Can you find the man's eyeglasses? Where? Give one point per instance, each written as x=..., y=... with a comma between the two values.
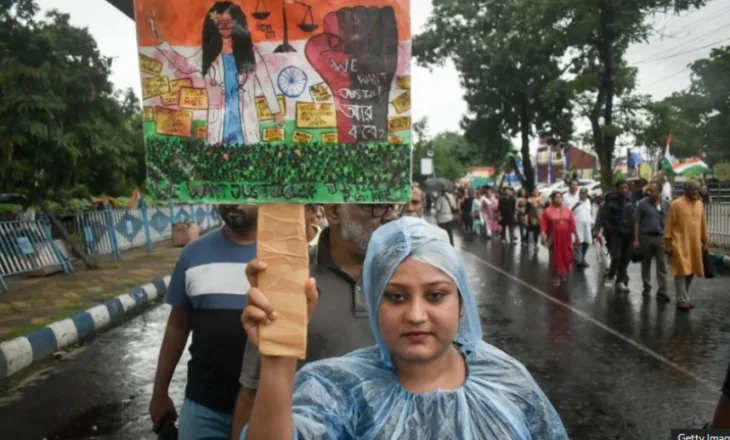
x=379, y=210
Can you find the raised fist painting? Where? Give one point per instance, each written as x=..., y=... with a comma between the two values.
x=357, y=56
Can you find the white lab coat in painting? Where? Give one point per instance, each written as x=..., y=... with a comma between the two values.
x=583, y=214
x=214, y=84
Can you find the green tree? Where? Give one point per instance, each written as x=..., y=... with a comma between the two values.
x=709, y=92
x=698, y=118
x=508, y=58
x=62, y=124
x=597, y=34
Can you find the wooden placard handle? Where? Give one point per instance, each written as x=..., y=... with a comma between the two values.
x=282, y=244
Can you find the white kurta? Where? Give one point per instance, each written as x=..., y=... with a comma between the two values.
x=584, y=221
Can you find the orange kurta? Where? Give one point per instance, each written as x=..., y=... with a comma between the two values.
x=685, y=232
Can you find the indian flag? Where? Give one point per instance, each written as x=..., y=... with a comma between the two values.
x=668, y=161
x=690, y=167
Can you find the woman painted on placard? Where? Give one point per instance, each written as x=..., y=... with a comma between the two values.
x=232, y=69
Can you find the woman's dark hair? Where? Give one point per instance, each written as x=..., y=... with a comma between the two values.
x=240, y=38
x=555, y=193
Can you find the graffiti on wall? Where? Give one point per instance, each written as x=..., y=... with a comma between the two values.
x=285, y=101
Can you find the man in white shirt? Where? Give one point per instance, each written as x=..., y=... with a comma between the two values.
x=572, y=197
x=445, y=210
x=414, y=208
x=666, y=186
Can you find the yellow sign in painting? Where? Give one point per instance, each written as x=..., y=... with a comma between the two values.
x=149, y=66
x=399, y=123
x=397, y=140
x=316, y=115
x=403, y=82
x=171, y=99
x=301, y=137
x=328, y=138
x=155, y=86
x=174, y=122
x=148, y=113
x=262, y=107
x=402, y=103
x=273, y=134
x=193, y=99
x=320, y=92
x=201, y=132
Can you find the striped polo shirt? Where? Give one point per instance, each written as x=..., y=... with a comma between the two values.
x=209, y=280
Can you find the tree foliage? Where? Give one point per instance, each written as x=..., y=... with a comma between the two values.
x=63, y=127
x=452, y=152
x=508, y=61
x=698, y=118
x=598, y=34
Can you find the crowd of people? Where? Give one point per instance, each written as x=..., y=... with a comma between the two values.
x=394, y=342
x=638, y=221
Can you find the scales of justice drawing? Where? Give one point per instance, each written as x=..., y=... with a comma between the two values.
x=307, y=24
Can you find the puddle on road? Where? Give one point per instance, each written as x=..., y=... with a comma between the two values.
x=93, y=423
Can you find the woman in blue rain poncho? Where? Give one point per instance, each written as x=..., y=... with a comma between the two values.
x=430, y=376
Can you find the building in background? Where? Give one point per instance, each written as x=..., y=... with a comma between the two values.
x=569, y=158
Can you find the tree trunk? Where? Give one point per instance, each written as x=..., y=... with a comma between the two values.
x=89, y=262
x=529, y=171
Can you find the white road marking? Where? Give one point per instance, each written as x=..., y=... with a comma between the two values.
x=646, y=350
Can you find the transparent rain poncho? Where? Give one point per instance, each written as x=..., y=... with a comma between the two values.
x=358, y=396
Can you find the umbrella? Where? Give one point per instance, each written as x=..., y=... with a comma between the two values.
x=438, y=184
x=12, y=198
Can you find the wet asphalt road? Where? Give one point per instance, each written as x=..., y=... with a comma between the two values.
x=614, y=365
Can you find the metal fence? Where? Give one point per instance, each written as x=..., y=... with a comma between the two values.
x=28, y=246
x=718, y=223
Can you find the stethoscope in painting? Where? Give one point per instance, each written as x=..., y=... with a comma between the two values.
x=215, y=83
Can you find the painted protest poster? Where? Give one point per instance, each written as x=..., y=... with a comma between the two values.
x=291, y=101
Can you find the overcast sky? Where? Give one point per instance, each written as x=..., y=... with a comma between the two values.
x=437, y=95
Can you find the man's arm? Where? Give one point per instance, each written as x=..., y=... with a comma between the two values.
x=173, y=343
x=250, y=373
x=637, y=219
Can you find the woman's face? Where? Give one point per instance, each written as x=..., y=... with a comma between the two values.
x=225, y=24
x=557, y=200
x=535, y=193
x=419, y=313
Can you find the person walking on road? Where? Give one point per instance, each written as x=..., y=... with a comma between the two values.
x=649, y=221
x=430, y=375
x=414, y=208
x=558, y=227
x=340, y=322
x=445, y=209
x=685, y=238
x=572, y=197
x=535, y=208
x=467, y=220
x=207, y=295
x=618, y=226
x=583, y=213
x=507, y=214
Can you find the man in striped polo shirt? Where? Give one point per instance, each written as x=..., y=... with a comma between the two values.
x=207, y=293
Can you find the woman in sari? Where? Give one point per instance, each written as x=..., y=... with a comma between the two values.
x=430, y=376
x=558, y=227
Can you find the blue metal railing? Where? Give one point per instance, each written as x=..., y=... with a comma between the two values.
x=28, y=246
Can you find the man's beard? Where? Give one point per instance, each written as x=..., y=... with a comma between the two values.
x=239, y=222
x=355, y=232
